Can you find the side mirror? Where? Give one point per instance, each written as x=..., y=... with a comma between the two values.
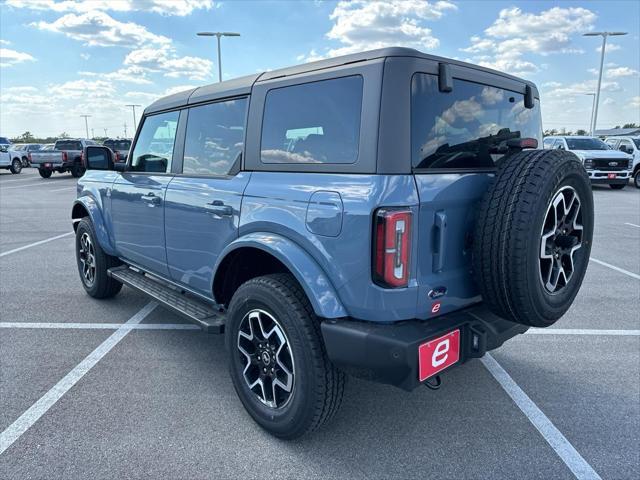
x=120, y=167
x=98, y=158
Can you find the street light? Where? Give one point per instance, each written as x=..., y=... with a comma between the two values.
x=593, y=106
x=86, y=124
x=133, y=106
x=218, y=35
x=604, y=36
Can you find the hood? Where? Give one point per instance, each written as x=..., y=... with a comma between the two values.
x=601, y=154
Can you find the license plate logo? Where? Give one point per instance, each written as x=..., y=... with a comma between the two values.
x=438, y=354
x=612, y=175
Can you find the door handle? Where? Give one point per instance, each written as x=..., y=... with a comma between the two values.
x=439, y=241
x=151, y=199
x=219, y=208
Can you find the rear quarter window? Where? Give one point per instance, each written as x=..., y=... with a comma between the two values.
x=314, y=123
x=463, y=128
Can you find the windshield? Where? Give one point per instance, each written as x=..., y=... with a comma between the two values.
x=586, y=144
x=470, y=126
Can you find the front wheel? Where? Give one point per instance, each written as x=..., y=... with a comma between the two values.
x=44, y=173
x=617, y=187
x=16, y=166
x=278, y=362
x=93, y=263
x=636, y=178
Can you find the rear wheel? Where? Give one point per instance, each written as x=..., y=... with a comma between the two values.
x=93, y=263
x=77, y=170
x=44, y=173
x=533, y=236
x=16, y=166
x=636, y=178
x=617, y=187
x=278, y=362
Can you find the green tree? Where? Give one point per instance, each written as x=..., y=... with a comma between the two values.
x=64, y=135
x=630, y=125
x=581, y=132
x=26, y=137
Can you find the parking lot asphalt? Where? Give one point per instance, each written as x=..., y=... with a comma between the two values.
x=158, y=403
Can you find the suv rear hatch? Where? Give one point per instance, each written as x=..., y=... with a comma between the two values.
x=457, y=139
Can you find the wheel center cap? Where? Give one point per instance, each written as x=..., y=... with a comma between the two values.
x=266, y=358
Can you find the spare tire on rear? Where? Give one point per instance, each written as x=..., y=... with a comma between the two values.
x=533, y=236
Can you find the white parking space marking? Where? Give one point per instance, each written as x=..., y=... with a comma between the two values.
x=632, y=224
x=49, y=399
x=61, y=189
x=35, y=244
x=582, y=331
x=99, y=326
x=617, y=269
x=567, y=453
x=27, y=185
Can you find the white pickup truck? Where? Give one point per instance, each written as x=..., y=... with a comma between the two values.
x=631, y=146
x=10, y=160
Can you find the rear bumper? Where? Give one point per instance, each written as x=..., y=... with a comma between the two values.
x=388, y=353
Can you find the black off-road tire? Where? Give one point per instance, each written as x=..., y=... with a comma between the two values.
x=77, y=170
x=44, y=173
x=103, y=286
x=507, y=241
x=636, y=178
x=617, y=187
x=318, y=385
x=16, y=166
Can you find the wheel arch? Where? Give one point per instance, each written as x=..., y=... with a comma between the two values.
x=87, y=207
x=262, y=253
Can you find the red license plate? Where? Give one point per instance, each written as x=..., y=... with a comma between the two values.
x=612, y=175
x=438, y=354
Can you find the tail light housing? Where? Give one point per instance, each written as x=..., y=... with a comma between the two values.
x=117, y=155
x=29, y=157
x=64, y=156
x=391, y=247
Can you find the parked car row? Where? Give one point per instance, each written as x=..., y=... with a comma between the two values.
x=604, y=164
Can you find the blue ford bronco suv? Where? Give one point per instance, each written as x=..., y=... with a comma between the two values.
x=383, y=214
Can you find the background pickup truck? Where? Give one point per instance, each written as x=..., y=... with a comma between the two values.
x=120, y=147
x=66, y=156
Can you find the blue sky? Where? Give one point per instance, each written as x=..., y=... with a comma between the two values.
x=63, y=58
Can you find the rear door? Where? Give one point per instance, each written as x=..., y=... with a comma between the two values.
x=202, y=208
x=455, y=137
x=138, y=195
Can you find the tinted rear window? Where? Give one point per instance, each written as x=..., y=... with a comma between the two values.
x=463, y=128
x=315, y=122
x=118, y=144
x=68, y=145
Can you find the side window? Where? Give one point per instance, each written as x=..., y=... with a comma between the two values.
x=547, y=142
x=559, y=145
x=214, y=139
x=611, y=142
x=628, y=148
x=316, y=122
x=154, y=149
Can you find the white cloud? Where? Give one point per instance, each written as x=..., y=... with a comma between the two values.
x=165, y=61
x=4, y=42
x=96, y=28
x=85, y=56
x=611, y=47
x=608, y=101
x=362, y=25
x=9, y=57
x=635, y=102
x=515, y=34
x=131, y=74
x=621, y=72
x=83, y=89
x=163, y=7
x=558, y=93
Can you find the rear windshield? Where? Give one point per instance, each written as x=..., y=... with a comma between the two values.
x=118, y=144
x=68, y=145
x=464, y=128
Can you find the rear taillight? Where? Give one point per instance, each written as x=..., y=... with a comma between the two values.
x=64, y=156
x=117, y=156
x=29, y=157
x=391, y=247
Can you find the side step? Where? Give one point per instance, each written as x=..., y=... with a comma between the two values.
x=202, y=314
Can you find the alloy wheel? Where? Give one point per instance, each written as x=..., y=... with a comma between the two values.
x=560, y=239
x=87, y=259
x=268, y=361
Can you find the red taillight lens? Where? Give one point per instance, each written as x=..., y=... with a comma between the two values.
x=29, y=157
x=392, y=247
x=117, y=156
x=64, y=156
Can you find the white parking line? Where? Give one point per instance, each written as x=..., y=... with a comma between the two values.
x=19, y=249
x=65, y=188
x=617, y=269
x=632, y=224
x=27, y=185
x=100, y=326
x=581, y=331
x=567, y=453
x=49, y=399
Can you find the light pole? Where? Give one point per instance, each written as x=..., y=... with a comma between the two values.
x=593, y=107
x=105, y=132
x=604, y=36
x=218, y=35
x=86, y=125
x=133, y=106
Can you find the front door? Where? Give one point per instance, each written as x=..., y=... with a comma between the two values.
x=138, y=195
x=202, y=208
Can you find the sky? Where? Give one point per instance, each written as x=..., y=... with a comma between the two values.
x=60, y=59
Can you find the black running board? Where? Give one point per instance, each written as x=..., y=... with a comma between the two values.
x=206, y=316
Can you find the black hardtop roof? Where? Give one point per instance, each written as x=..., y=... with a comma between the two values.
x=242, y=85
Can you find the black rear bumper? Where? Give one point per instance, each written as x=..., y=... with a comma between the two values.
x=388, y=353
